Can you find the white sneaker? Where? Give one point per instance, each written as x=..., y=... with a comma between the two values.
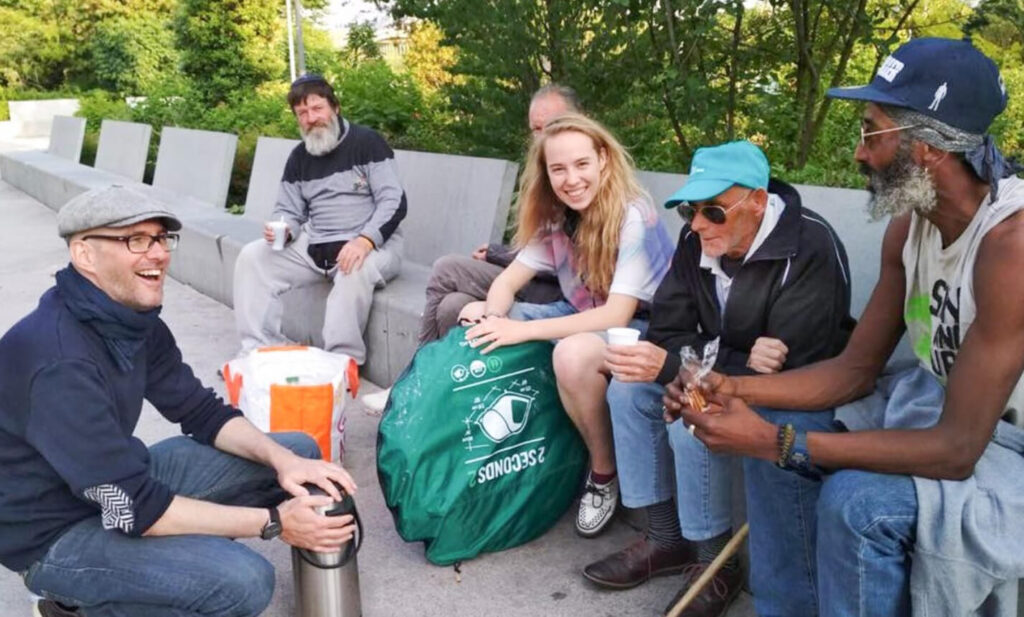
x=597, y=507
x=376, y=401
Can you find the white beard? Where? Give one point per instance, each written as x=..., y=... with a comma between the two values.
x=320, y=140
x=901, y=188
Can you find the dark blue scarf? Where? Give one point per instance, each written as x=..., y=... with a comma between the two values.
x=990, y=165
x=122, y=329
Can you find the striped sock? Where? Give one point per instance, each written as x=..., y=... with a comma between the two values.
x=663, y=524
x=707, y=550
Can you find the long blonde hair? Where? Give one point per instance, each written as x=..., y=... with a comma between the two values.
x=596, y=241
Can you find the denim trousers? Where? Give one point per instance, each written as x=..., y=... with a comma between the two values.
x=867, y=525
x=529, y=311
x=657, y=461
x=110, y=574
x=784, y=532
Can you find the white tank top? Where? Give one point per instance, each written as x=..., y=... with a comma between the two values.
x=939, y=307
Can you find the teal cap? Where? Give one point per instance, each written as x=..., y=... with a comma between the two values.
x=715, y=169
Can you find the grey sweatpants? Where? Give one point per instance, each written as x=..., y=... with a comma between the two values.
x=262, y=275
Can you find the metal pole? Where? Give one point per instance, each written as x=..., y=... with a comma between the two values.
x=291, y=38
x=301, y=48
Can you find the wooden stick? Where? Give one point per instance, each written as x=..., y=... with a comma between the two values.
x=697, y=586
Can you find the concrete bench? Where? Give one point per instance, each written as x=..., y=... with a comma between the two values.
x=123, y=148
x=35, y=118
x=196, y=163
x=66, y=138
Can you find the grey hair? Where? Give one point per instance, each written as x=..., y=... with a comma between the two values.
x=567, y=94
x=933, y=132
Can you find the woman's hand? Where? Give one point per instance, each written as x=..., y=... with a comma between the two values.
x=496, y=332
x=635, y=363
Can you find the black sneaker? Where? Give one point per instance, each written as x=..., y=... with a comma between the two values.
x=51, y=608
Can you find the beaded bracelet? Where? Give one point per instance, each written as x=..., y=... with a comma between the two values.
x=785, y=439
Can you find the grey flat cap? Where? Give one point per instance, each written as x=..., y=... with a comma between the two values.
x=113, y=206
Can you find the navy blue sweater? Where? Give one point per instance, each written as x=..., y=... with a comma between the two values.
x=67, y=414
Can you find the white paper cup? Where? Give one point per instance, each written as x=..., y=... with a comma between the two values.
x=623, y=336
x=280, y=229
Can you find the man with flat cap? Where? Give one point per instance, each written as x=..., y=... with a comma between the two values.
x=89, y=515
x=921, y=499
x=342, y=202
x=768, y=278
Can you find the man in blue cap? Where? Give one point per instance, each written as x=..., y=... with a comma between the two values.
x=921, y=502
x=769, y=280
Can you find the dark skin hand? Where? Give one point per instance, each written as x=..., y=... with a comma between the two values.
x=988, y=366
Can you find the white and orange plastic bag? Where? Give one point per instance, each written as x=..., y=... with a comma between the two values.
x=295, y=388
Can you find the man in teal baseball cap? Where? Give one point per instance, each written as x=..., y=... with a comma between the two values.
x=725, y=197
x=750, y=264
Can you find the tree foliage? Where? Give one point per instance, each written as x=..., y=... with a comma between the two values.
x=130, y=55
x=362, y=43
x=229, y=46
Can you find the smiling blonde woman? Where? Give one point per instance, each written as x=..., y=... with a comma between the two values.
x=583, y=217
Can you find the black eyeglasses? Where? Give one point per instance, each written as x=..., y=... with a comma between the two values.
x=141, y=243
x=714, y=213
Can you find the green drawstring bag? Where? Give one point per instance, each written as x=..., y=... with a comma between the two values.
x=474, y=452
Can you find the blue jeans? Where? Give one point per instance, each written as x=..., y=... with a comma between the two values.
x=657, y=461
x=528, y=311
x=781, y=509
x=867, y=525
x=110, y=574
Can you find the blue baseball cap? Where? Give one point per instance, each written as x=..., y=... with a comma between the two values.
x=715, y=169
x=945, y=79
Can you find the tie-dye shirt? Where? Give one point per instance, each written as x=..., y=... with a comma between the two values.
x=645, y=252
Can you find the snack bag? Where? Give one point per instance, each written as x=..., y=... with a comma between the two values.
x=698, y=367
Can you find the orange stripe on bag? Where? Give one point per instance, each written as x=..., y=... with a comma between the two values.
x=352, y=373
x=282, y=348
x=303, y=408
x=233, y=384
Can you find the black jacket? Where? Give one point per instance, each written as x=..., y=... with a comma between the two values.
x=795, y=287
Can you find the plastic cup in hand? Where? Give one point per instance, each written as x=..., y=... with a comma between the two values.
x=280, y=229
x=623, y=336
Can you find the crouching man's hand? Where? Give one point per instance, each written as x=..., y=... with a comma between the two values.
x=302, y=527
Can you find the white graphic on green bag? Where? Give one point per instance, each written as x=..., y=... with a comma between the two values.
x=506, y=416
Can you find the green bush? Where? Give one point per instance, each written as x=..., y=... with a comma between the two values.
x=130, y=54
x=371, y=93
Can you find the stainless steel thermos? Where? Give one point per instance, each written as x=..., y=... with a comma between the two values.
x=327, y=584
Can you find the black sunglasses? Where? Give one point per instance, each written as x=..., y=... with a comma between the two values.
x=714, y=213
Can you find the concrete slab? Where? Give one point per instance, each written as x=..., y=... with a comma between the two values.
x=265, y=178
x=123, y=148
x=34, y=118
x=196, y=163
x=66, y=138
x=541, y=578
x=455, y=202
x=51, y=179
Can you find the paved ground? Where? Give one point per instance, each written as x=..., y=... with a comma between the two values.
x=541, y=578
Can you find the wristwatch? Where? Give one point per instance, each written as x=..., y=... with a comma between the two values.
x=273, y=527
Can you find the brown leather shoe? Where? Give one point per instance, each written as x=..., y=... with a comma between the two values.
x=49, y=608
x=637, y=563
x=717, y=595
